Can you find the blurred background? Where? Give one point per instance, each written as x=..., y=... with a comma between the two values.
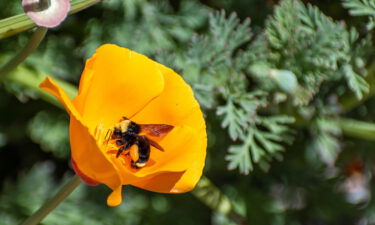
x=285, y=86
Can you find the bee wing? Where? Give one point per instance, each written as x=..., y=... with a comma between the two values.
x=156, y=130
x=156, y=145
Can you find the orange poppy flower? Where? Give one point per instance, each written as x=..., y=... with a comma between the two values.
x=118, y=83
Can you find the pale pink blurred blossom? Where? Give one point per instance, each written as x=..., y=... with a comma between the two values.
x=46, y=13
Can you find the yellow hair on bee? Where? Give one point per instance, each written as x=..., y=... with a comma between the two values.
x=123, y=125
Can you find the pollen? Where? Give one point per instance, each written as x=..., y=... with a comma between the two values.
x=103, y=138
x=99, y=134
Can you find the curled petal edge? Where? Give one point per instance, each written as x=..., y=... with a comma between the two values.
x=51, y=87
x=87, y=180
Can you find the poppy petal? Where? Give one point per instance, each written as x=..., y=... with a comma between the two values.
x=171, y=182
x=89, y=158
x=192, y=175
x=117, y=82
x=163, y=182
x=115, y=198
x=84, y=178
x=51, y=87
x=85, y=152
x=175, y=106
x=185, y=146
x=180, y=146
x=174, y=182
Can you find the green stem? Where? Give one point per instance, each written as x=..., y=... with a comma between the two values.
x=81, y=5
x=212, y=197
x=357, y=129
x=53, y=202
x=29, y=48
x=19, y=23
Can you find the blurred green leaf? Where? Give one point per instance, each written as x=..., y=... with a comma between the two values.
x=146, y=27
x=360, y=7
x=325, y=141
x=51, y=131
x=356, y=82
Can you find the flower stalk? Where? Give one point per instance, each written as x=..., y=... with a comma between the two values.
x=29, y=48
x=212, y=197
x=357, y=129
x=51, y=204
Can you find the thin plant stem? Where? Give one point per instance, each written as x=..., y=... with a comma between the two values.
x=29, y=48
x=357, y=129
x=212, y=197
x=53, y=202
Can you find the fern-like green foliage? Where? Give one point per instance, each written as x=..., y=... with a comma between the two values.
x=210, y=64
x=310, y=45
x=304, y=53
x=362, y=8
x=145, y=26
x=217, y=71
x=286, y=66
x=261, y=145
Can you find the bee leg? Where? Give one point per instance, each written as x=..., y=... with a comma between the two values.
x=120, y=150
x=112, y=152
x=120, y=142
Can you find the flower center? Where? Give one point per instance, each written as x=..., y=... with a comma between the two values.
x=124, y=141
x=132, y=142
x=125, y=135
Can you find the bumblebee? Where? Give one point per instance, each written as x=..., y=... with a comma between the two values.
x=132, y=139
